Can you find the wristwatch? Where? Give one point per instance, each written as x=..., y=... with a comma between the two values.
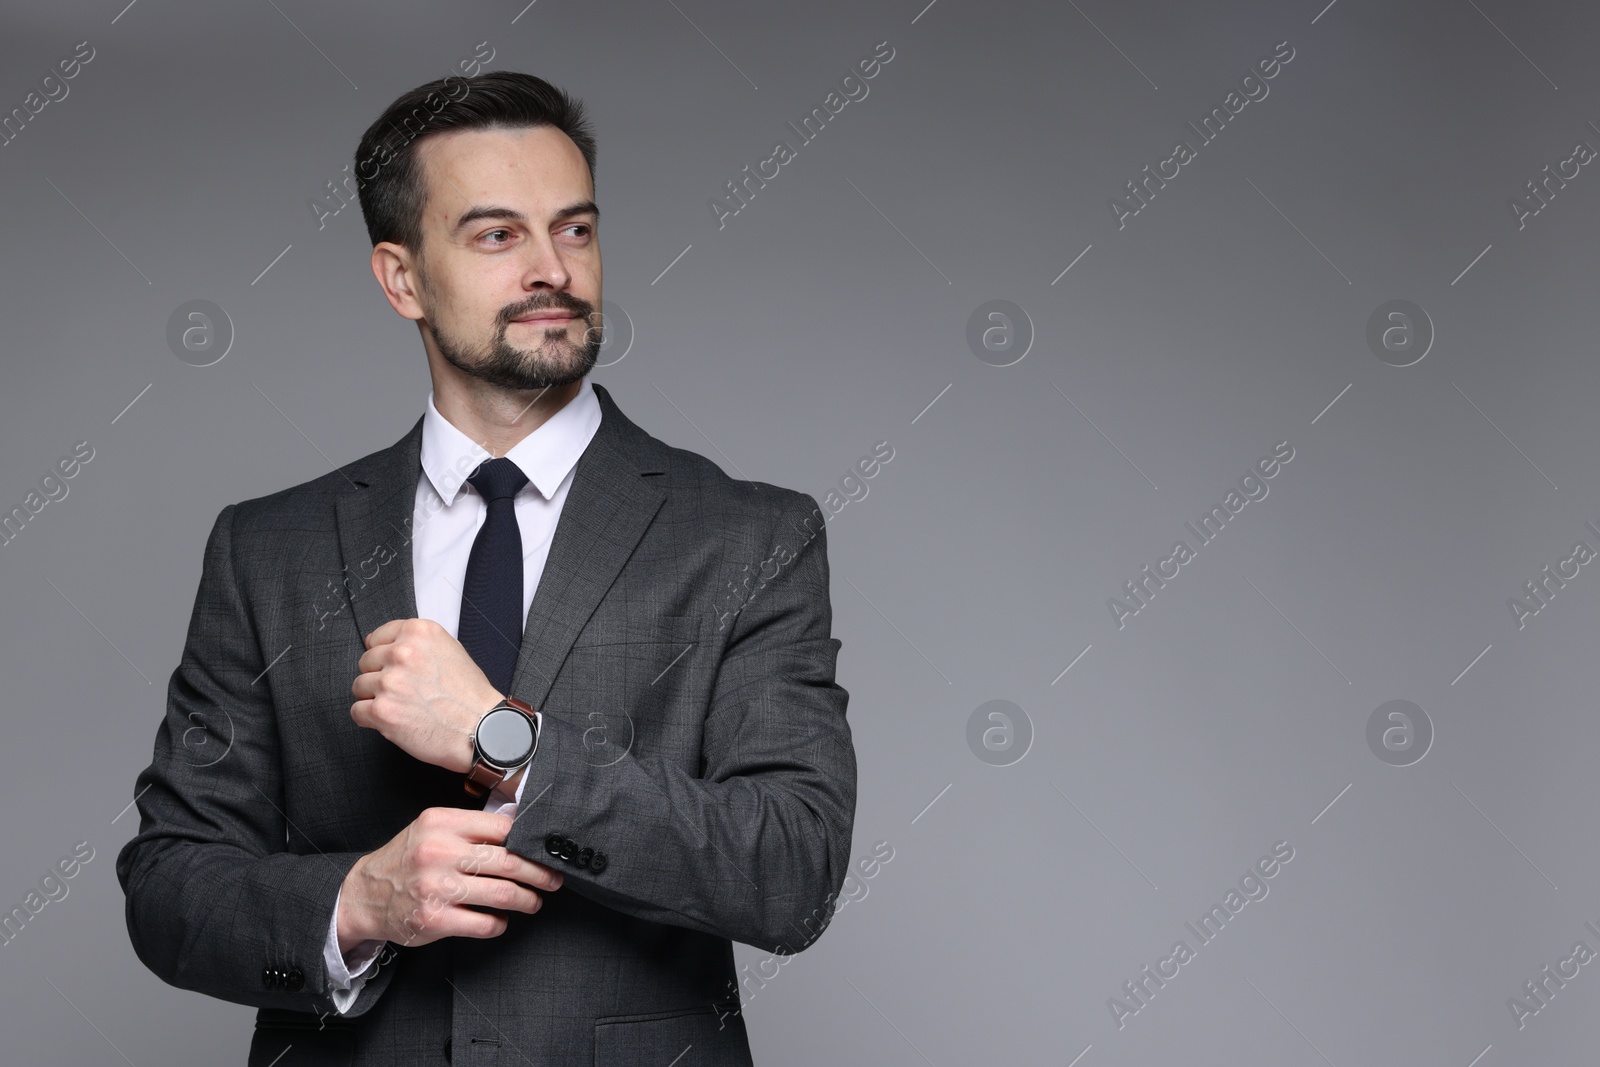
x=505, y=739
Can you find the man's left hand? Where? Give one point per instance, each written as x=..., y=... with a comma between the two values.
x=420, y=688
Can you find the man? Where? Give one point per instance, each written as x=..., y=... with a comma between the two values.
x=484, y=753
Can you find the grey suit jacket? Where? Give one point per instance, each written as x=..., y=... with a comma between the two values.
x=695, y=779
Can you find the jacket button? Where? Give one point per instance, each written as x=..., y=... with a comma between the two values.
x=268, y=978
x=569, y=849
x=552, y=844
x=598, y=863
x=585, y=855
x=294, y=981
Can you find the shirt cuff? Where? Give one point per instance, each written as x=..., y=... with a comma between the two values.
x=500, y=802
x=347, y=974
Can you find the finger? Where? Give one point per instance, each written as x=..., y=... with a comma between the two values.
x=364, y=686
x=376, y=657
x=457, y=921
x=500, y=894
x=466, y=824
x=465, y=922
x=501, y=862
x=537, y=874
x=385, y=633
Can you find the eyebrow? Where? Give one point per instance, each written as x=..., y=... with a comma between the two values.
x=586, y=207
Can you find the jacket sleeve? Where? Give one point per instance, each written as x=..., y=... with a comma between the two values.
x=216, y=901
x=756, y=847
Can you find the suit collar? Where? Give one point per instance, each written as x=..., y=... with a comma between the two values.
x=546, y=456
x=608, y=508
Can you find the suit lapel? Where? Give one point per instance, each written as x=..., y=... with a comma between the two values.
x=379, y=517
x=375, y=532
x=608, y=507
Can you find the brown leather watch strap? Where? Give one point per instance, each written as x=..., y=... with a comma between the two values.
x=481, y=779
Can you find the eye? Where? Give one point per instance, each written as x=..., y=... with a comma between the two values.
x=502, y=231
x=579, y=226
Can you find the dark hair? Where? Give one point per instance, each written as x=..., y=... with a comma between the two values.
x=388, y=178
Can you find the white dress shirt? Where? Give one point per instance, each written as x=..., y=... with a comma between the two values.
x=445, y=521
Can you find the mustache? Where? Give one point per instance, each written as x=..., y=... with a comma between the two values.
x=562, y=301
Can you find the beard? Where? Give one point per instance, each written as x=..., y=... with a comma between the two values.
x=558, y=360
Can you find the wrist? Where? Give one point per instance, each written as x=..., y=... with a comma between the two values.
x=351, y=924
x=463, y=752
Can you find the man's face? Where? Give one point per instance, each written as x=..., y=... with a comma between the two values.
x=508, y=276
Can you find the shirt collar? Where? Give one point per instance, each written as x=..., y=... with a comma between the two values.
x=546, y=456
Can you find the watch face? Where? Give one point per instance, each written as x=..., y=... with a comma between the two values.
x=505, y=737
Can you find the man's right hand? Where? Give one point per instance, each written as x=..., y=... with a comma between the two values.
x=415, y=889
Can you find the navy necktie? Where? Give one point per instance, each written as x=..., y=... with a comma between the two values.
x=491, y=596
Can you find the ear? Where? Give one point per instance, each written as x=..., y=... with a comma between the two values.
x=397, y=272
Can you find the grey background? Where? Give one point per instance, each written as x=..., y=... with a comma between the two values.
x=827, y=316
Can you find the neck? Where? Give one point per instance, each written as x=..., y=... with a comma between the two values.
x=494, y=417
